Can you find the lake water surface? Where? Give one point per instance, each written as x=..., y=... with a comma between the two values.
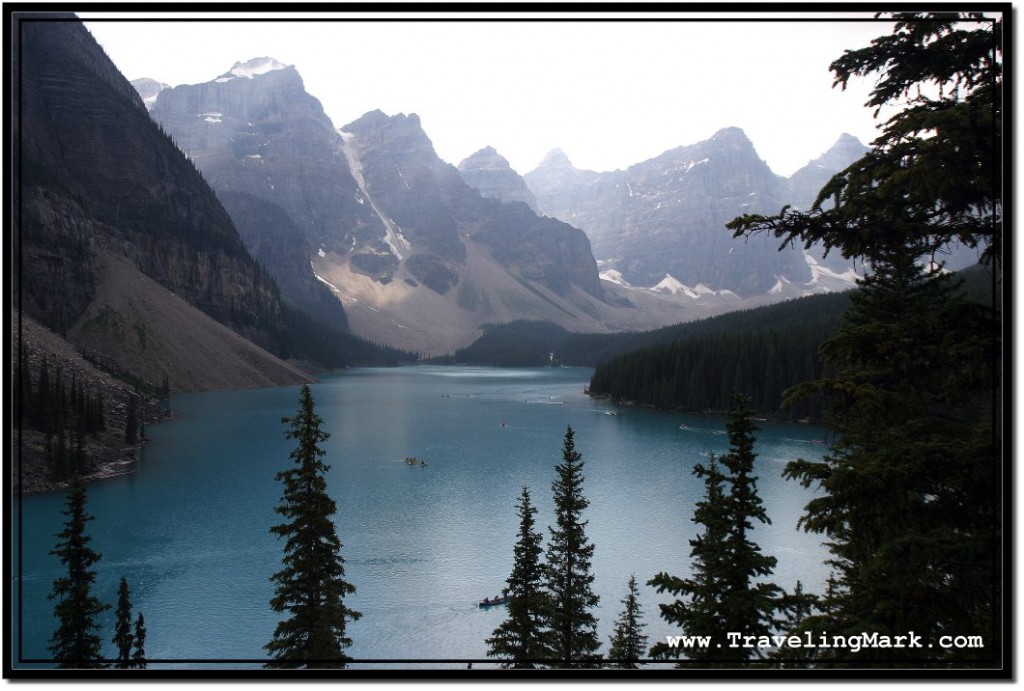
x=190, y=529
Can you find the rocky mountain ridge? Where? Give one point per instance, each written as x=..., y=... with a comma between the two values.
x=666, y=216
x=419, y=258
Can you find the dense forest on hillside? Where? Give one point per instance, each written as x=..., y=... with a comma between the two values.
x=695, y=365
x=761, y=353
x=536, y=344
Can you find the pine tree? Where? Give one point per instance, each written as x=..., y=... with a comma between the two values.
x=726, y=592
x=311, y=586
x=139, y=651
x=696, y=610
x=571, y=627
x=123, y=638
x=75, y=644
x=628, y=643
x=749, y=602
x=520, y=640
x=910, y=494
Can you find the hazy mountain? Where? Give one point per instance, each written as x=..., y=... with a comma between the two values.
x=661, y=223
x=122, y=247
x=489, y=172
x=419, y=258
x=149, y=89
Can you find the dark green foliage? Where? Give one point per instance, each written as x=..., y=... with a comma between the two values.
x=303, y=337
x=934, y=176
x=696, y=610
x=571, y=627
x=311, y=586
x=628, y=643
x=139, y=649
x=796, y=608
x=910, y=494
x=123, y=637
x=75, y=643
x=530, y=343
x=727, y=591
x=520, y=640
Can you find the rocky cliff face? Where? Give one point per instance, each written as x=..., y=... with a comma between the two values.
x=100, y=181
x=371, y=202
x=489, y=172
x=666, y=217
x=432, y=209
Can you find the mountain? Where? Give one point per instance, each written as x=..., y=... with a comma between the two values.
x=804, y=184
x=148, y=89
x=665, y=218
x=489, y=172
x=122, y=248
x=418, y=257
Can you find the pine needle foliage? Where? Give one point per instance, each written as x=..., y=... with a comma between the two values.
x=311, y=586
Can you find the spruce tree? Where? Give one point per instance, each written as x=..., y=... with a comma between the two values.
x=571, y=626
x=727, y=591
x=520, y=640
x=139, y=649
x=749, y=602
x=123, y=638
x=696, y=611
x=311, y=587
x=75, y=643
x=910, y=494
x=628, y=643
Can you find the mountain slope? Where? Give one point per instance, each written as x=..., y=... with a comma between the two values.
x=418, y=258
x=102, y=186
x=666, y=217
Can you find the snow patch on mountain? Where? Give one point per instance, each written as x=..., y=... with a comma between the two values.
x=613, y=276
x=818, y=272
x=251, y=68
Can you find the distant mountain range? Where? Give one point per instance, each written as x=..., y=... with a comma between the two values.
x=664, y=219
x=422, y=254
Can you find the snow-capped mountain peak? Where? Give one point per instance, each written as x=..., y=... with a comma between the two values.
x=251, y=68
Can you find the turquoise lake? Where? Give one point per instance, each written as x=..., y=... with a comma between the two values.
x=190, y=529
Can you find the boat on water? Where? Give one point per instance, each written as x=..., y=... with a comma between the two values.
x=412, y=460
x=493, y=601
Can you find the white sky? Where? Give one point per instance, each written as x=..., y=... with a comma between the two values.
x=609, y=93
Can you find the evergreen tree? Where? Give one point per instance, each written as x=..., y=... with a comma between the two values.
x=696, y=611
x=726, y=592
x=75, y=643
x=520, y=640
x=311, y=587
x=138, y=652
x=123, y=638
x=628, y=643
x=748, y=602
x=571, y=627
x=910, y=494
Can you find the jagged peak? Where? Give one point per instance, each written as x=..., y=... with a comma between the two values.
x=731, y=135
x=252, y=68
x=556, y=158
x=487, y=157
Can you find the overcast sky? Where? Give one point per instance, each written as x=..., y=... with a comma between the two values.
x=608, y=93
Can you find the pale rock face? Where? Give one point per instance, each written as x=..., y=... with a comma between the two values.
x=490, y=173
x=667, y=215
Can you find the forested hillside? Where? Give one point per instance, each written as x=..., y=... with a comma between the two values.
x=760, y=353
